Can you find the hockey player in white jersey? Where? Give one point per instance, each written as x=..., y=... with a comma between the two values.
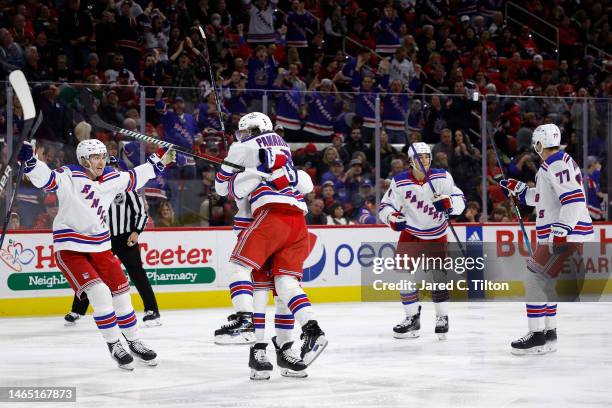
x=291, y=365
x=562, y=225
x=81, y=237
x=278, y=230
x=410, y=207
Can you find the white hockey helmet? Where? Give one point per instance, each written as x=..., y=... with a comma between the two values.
x=88, y=147
x=547, y=135
x=253, y=123
x=420, y=147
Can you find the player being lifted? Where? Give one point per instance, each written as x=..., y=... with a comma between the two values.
x=410, y=207
x=562, y=224
x=278, y=230
x=81, y=237
x=261, y=283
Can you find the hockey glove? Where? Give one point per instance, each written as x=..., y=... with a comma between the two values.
x=443, y=203
x=272, y=159
x=397, y=221
x=26, y=156
x=558, y=238
x=161, y=159
x=279, y=178
x=515, y=188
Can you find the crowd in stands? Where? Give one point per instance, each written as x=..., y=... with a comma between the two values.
x=321, y=69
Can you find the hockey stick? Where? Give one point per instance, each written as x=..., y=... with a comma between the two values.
x=517, y=212
x=7, y=218
x=96, y=120
x=22, y=90
x=433, y=189
x=214, y=87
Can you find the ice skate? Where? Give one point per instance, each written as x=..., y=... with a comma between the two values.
x=290, y=364
x=238, y=330
x=151, y=318
x=258, y=362
x=551, y=339
x=409, y=327
x=441, y=327
x=142, y=352
x=531, y=343
x=314, y=342
x=71, y=319
x=121, y=356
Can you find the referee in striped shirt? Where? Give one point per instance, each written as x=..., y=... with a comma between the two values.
x=127, y=217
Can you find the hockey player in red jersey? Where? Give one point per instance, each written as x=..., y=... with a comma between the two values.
x=81, y=237
x=278, y=229
x=563, y=223
x=411, y=207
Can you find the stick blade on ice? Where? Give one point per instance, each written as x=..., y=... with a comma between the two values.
x=22, y=89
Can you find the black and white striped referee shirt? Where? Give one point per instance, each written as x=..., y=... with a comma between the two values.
x=127, y=214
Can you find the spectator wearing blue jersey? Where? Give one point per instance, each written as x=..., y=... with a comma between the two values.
x=235, y=93
x=366, y=91
x=366, y=214
x=323, y=106
x=593, y=184
x=298, y=21
x=289, y=106
x=394, y=112
x=181, y=128
x=262, y=73
x=387, y=32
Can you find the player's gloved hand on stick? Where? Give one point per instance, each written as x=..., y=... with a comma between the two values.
x=558, y=238
x=515, y=188
x=272, y=159
x=397, y=221
x=162, y=159
x=26, y=157
x=443, y=203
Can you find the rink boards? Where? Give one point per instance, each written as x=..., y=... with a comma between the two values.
x=186, y=266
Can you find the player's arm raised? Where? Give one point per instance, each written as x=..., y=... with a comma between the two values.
x=39, y=173
x=389, y=209
x=137, y=177
x=568, y=188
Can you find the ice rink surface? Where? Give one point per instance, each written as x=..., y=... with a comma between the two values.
x=363, y=365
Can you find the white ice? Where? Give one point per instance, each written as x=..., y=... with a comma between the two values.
x=362, y=367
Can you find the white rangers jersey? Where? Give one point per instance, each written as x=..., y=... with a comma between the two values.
x=414, y=199
x=261, y=23
x=81, y=223
x=244, y=216
x=259, y=192
x=559, y=199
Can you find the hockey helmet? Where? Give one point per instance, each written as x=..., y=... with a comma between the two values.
x=420, y=147
x=252, y=124
x=547, y=135
x=88, y=147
